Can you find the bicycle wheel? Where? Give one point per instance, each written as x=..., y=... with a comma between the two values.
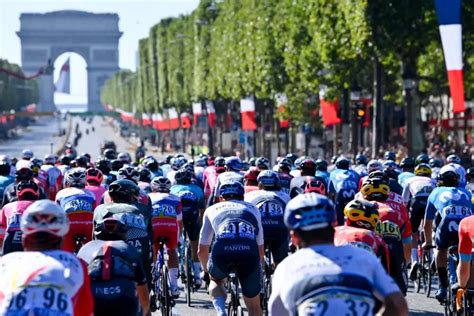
x=165, y=293
x=189, y=274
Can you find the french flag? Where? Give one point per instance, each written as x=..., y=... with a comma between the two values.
x=449, y=18
x=197, y=111
x=328, y=109
x=146, y=119
x=173, y=120
x=211, y=114
x=157, y=121
x=247, y=112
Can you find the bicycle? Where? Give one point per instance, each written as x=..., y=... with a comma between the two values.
x=234, y=308
x=425, y=272
x=267, y=281
x=464, y=302
x=186, y=268
x=161, y=281
x=450, y=308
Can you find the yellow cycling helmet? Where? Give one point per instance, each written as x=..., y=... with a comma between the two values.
x=423, y=170
x=361, y=214
x=375, y=189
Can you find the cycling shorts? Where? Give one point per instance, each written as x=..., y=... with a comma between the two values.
x=446, y=236
x=247, y=267
x=278, y=247
x=417, y=212
x=191, y=225
x=77, y=229
x=397, y=263
x=123, y=306
x=168, y=232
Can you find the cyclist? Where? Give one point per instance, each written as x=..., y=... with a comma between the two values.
x=44, y=280
x=408, y=170
x=116, y=271
x=283, y=168
x=415, y=195
x=342, y=186
x=64, y=163
x=322, y=277
x=453, y=162
x=94, y=179
x=435, y=165
x=422, y=158
x=250, y=179
x=105, y=166
x=124, y=194
x=26, y=156
x=361, y=219
x=361, y=165
x=238, y=246
x=271, y=203
x=5, y=178
x=232, y=165
x=307, y=168
x=395, y=228
x=176, y=164
x=167, y=221
x=130, y=173
x=314, y=184
x=390, y=156
x=466, y=230
x=24, y=174
x=152, y=164
x=373, y=165
x=322, y=170
x=192, y=201
x=144, y=179
x=125, y=158
x=470, y=179
x=391, y=170
x=210, y=176
x=79, y=204
x=54, y=177
x=447, y=205
x=262, y=163
x=10, y=216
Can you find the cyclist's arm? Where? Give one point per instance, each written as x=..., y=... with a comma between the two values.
x=465, y=254
x=84, y=301
x=205, y=240
x=143, y=296
x=430, y=213
x=395, y=304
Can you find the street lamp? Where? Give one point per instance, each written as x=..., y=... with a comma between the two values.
x=409, y=83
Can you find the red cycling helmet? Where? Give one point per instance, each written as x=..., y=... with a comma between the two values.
x=27, y=190
x=314, y=185
x=94, y=176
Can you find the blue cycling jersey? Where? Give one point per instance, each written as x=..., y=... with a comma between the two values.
x=341, y=179
x=449, y=202
x=191, y=195
x=324, y=175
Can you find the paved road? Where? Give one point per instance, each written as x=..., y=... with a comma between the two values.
x=37, y=137
x=41, y=135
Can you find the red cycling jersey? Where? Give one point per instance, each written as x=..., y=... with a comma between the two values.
x=466, y=235
x=394, y=224
x=363, y=238
x=79, y=205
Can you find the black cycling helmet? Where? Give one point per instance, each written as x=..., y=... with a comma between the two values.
x=390, y=155
x=116, y=164
x=321, y=165
x=435, y=163
x=151, y=164
x=82, y=161
x=4, y=168
x=361, y=159
x=343, y=163
x=307, y=165
x=110, y=154
x=284, y=165
x=24, y=174
x=145, y=174
x=183, y=176
x=470, y=174
x=65, y=160
x=168, y=159
x=292, y=157
x=407, y=163
x=422, y=158
x=124, y=191
x=129, y=173
x=111, y=229
x=262, y=163
x=103, y=164
x=219, y=164
x=448, y=178
x=379, y=174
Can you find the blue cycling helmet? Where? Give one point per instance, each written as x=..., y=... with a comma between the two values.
x=435, y=163
x=361, y=159
x=343, y=163
x=233, y=163
x=268, y=178
x=231, y=189
x=309, y=211
x=390, y=155
x=453, y=159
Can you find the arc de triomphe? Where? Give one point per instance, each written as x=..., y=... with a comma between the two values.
x=93, y=36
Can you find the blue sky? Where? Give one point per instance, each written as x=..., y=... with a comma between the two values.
x=136, y=18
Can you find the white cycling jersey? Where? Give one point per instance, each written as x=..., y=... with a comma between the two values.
x=231, y=220
x=417, y=186
x=40, y=283
x=329, y=280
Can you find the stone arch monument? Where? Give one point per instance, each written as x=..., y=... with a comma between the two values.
x=93, y=36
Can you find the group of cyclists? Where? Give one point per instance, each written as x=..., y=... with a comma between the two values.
x=84, y=237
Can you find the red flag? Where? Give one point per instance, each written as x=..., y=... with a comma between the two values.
x=185, y=120
x=197, y=111
x=329, y=112
x=247, y=111
x=283, y=123
x=211, y=114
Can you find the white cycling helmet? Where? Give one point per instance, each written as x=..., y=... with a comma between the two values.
x=44, y=216
x=374, y=165
x=27, y=154
x=76, y=178
x=49, y=159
